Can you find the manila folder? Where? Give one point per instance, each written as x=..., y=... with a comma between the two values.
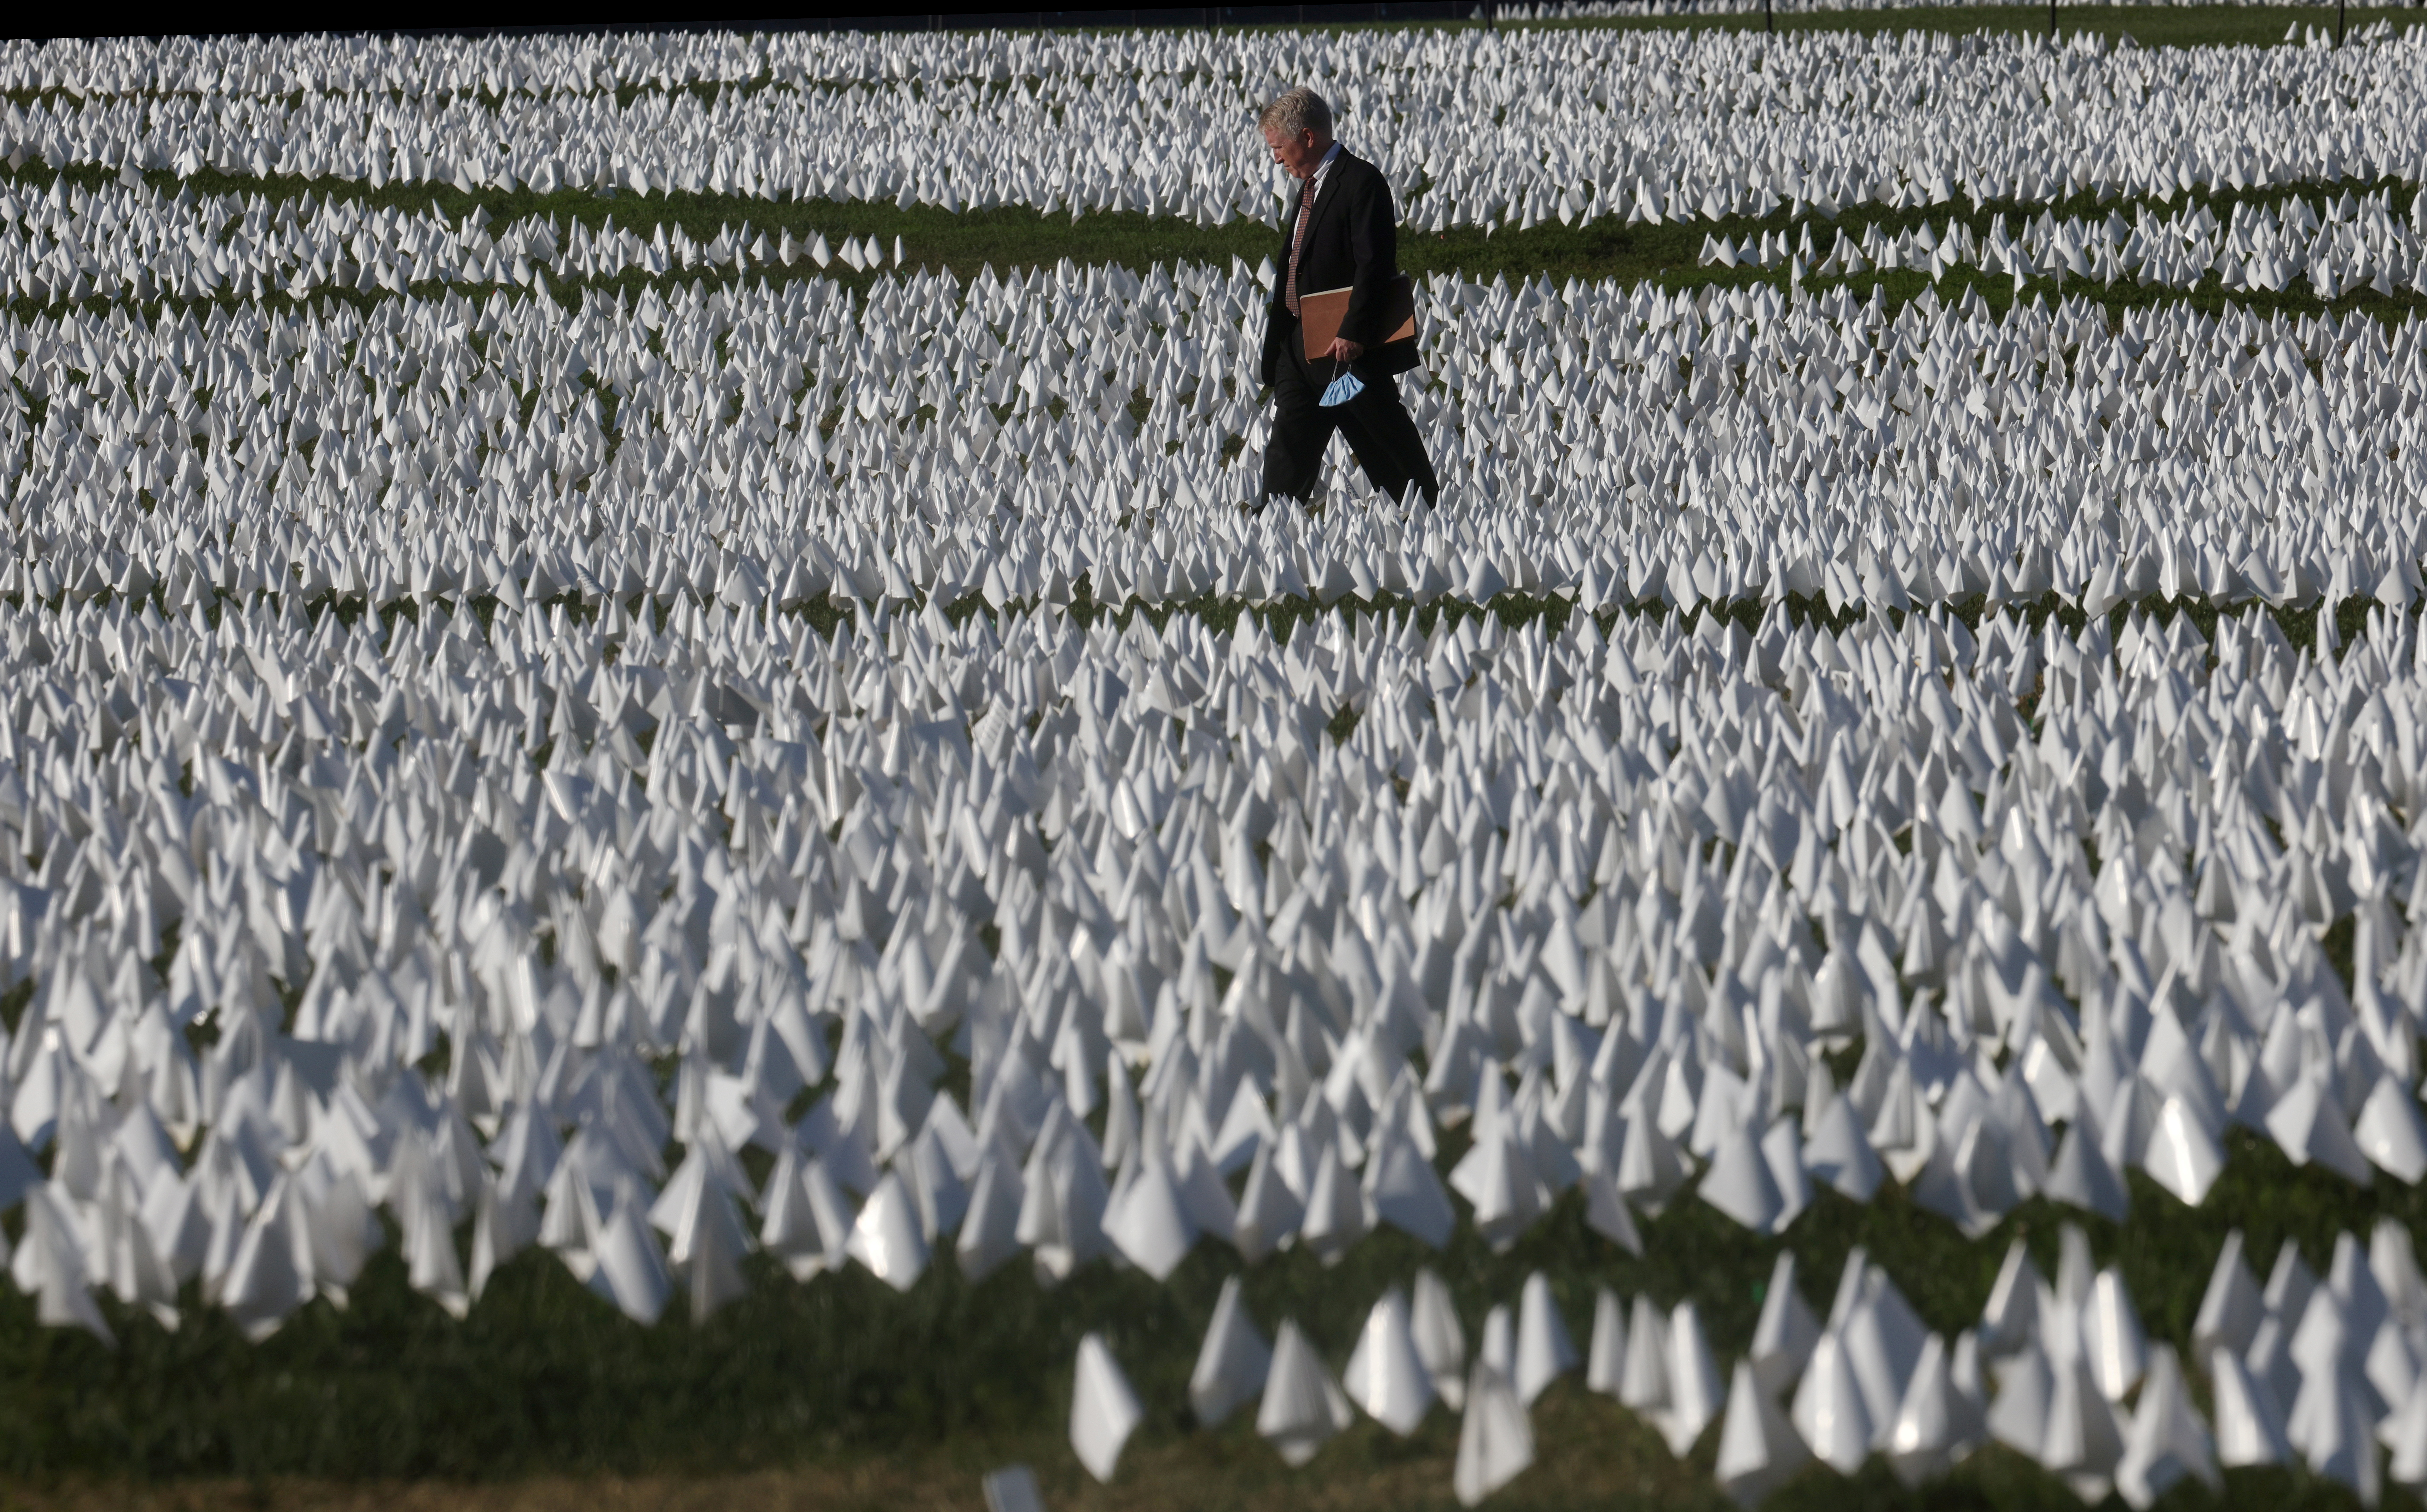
x=1319, y=315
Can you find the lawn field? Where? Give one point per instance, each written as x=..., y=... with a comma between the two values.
x=544, y=1396
x=604, y=743
x=2190, y=25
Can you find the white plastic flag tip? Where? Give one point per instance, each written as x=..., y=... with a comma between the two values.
x=1544, y=1352
x=2231, y=1308
x=1233, y=1364
x=1303, y=1406
x=2404, y=1434
x=1758, y=1448
x=1694, y=1393
x=1385, y=1376
x=49, y=1263
x=2249, y=1424
x=887, y=1238
x=1784, y=1337
x=1441, y=1343
x=1149, y=1223
x=1739, y=1182
x=1830, y=1412
x=1935, y=1422
x=631, y=1272
x=2167, y=1440
x=1605, y=1365
x=1103, y=1410
x=1495, y=1439
x=2113, y=1341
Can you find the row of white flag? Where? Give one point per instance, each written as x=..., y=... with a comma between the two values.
x=2323, y=1374
x=1649, y=125
x=1713, y=446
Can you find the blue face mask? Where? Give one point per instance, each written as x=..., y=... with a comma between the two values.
x=1343, y=388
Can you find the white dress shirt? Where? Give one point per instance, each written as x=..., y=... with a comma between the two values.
x=1323, y=168
x=1306, y=208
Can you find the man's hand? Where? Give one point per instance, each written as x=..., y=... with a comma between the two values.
x=1343, y=349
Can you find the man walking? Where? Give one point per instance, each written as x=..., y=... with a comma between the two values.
x=1344, y=234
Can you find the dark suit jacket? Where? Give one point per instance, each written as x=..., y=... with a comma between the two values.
x=1352, y=241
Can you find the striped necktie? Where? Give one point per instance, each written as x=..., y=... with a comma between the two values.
x=1305, y=205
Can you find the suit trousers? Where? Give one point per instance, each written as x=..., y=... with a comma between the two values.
x=1378, y=425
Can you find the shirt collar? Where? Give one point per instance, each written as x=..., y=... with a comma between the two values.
x=1325, y=166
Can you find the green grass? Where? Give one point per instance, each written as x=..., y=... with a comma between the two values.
x=1668, y=254
x=842, y=1375
x=2157, y=25
x=1007, y=238
x=2154, y=26
x=542, y=1377
x=843, y=1378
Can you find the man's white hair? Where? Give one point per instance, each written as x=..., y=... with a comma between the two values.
x=1297, y=112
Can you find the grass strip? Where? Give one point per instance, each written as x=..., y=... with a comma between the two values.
x=542, y=1377
x=1017, y=238
x=2152, y=26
